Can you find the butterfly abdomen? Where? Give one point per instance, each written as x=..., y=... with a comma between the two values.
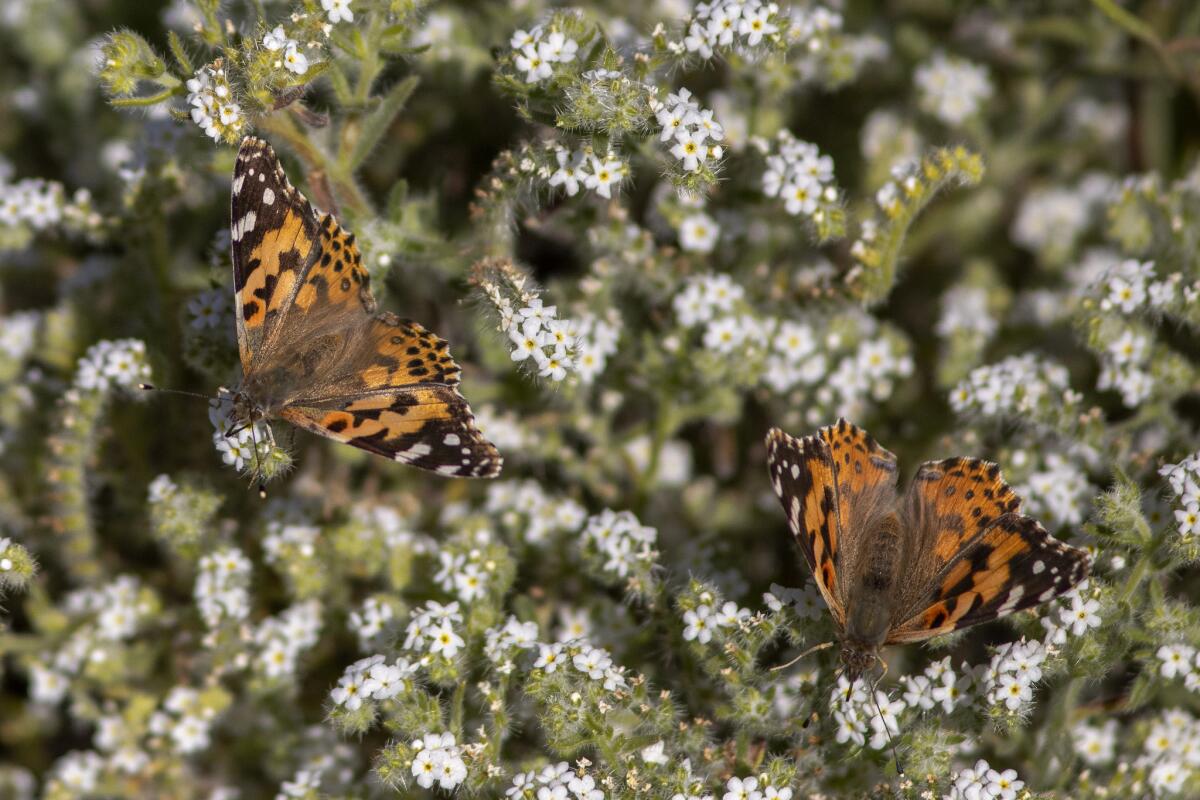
x=869, y=611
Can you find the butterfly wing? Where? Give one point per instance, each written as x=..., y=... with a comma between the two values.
x=1013, y=564
x=275, y=238
x=428, y=426
x=802, y=474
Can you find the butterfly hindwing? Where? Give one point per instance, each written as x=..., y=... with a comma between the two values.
x=802, y=474
x=428, y=426
x=1012, y=565
x=274, y=238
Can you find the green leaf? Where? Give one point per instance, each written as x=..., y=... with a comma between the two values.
x=376, y=123
x=181, y=57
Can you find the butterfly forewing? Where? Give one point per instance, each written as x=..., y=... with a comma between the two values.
x=274, y=238
x=802, y=474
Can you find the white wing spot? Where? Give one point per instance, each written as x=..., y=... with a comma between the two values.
x=262, y=177
x=243, y=226
x=451, y=439
x=237, y=183
x=1011, y=601
x=448, y=469
x=795, y=471
x=268, y=196
x=416, y=451
x=1039, y=567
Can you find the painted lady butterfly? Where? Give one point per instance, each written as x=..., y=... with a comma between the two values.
x=317, y=353
x=953, y=552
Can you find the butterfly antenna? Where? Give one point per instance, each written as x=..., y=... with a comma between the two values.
x=262, y=488
x=149, y=387
x=821, y=646
x=886, y=732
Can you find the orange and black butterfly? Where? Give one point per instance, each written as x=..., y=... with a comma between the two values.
x=951, y=552
x=316, y=352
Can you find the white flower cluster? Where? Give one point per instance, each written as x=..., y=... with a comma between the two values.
x=576, y=167
x=981, y=782
x=1015, y=386
x=504, y=428
x=595, y=663
x=113, y=364
x=185, y=719
x=282, y=638
x=222, y=586
x=952, y=89
x=118, y=741
x=624, y=542
x=120, y=607
x=595, y=341
x=1171, y=752
x=857, y=714
x=738, y=25
x=1058, y=494
x=438, y=760
x=793, y=358
x=1076, y=615
x=464, y=573
x=372, y=678
x=292, y=59
x=503, y=643
x=234, y=441
x=78, y=771
x=431, y=630
x=702, y=622
x=692, y=133
x=1010, y=676
x=370, y=620
x=8, y=550
x=869, y=372
x=213, y=106
x=555, y=782
x=536, y=51
x=536, y=333
x=1051, y=219
x=1184, y=480
x=1130, y=285
x=706, y=296
x=1179, y=661
x=286, y=543
x=41, y=205
x=525, y=509
x=965, y=309
x=799, y=175
x=753, y=788
x=806, y=602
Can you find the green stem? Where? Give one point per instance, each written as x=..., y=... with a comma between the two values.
x=456, y=710
x=284, y=126
x=1135, y=578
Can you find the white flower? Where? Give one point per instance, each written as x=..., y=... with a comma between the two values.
x=295, y=61
x=1188, y=519
x=604, y=173
x=531, y=62
x=699, y=233
x=698, y=624
x=556, y=47
x=755, y=24
x=445, y=640
x=654, y=753
x=1081, y=615
x=742, y=789
x=338, y=10
x=689, y=148
x=1176, y=660
x=568, y=173
x=426, y=767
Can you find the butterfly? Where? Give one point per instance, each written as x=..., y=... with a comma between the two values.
x=952, y=552
x=314, y=349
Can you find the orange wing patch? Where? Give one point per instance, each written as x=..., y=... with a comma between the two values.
x=337, y=277
x=428, y=426
x=954, y=500
x=802, y=474
x=404, y=353
x=1014, y=565
x=274, y=232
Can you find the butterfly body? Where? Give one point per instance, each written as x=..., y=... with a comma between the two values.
x=951, y=552
x=315, y=350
